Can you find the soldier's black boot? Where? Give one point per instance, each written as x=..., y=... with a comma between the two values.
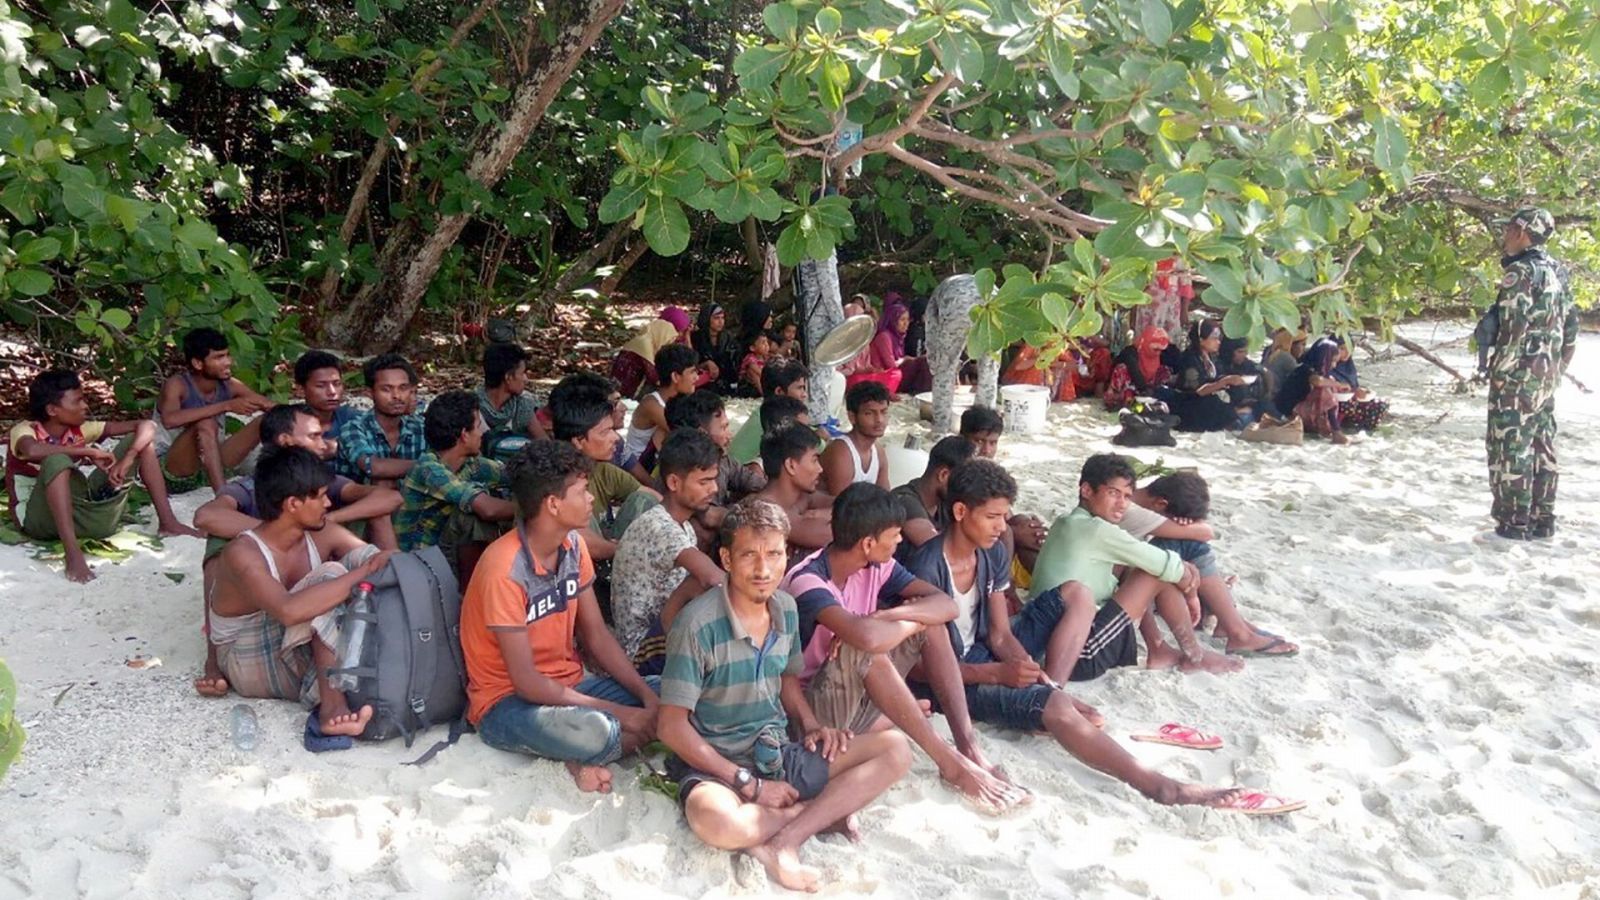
x=1513, y=532
x=1544, y=528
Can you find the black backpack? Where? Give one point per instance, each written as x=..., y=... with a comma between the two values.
x=1146, y=430
x=417, y=677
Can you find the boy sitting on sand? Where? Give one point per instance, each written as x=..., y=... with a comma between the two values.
x=51, y=499
x=453, y=496
x=1097, y=626
x=583, y=418
x=192, y=415
x=528, y=609
x=1025, y=534
x=319, y=376
x=922, y=499
x=780, y=378
x=857, y=457
x=271, y=613
x=237, y=509
x=729, y=693
x=1171, y=511
x=999, y=654
x=857, y=655
x=676, y=373
x=503, y=401
x=794, y=472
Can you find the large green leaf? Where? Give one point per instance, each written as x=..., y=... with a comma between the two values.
x=1389, y=147
x=665, y=226
x=758, y=66
x=621, y=201
x=1156, y=20
x=30, y=282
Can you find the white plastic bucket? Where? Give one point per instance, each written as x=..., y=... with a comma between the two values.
x=1024, y=407
x=904, y=463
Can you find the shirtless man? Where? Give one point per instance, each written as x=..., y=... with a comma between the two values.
x=856, y=456
x=192, y=412
x=677, y=370
x=272, y=608
x=794, y=470
x=726, y=707
x=236, y=509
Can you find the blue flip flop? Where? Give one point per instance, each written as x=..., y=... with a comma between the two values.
x=317, y=742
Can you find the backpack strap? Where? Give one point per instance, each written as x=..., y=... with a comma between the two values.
x=457, y=729
x=420, y=665
x=454, y=637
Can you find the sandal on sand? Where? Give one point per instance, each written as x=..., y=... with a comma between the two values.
x=1174, y=735
x=1270, y=650
x=1259, y=803
x=317, y=742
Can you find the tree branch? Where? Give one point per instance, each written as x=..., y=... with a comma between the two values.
x=1337, y=281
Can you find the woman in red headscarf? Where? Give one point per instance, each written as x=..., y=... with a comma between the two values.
x=1139, y=371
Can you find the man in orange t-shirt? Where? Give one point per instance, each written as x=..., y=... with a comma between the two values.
x=529, y=604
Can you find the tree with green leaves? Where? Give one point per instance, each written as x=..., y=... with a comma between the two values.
x=1317, y=161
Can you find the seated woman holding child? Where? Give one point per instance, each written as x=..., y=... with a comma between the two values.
x=1312, y=392
x=1363, y=411
x=1202, y=397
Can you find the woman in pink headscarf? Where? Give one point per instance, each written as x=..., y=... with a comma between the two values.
x=889, y=349
x=634, y=364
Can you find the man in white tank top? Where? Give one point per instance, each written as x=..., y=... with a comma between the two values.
x=856, y=457
x=272, y=609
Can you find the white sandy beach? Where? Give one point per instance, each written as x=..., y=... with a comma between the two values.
x=1442, y=720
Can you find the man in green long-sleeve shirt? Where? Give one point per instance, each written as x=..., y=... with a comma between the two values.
x=1097, y=625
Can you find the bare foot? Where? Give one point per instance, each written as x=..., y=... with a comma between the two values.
x=591, y=779
x=1177, y=793
x=177, y=529
x=1215, y=663
x=1340, y=438
x=340, y=720
x=78, y=570
x=783, y=866
x=1162, y=656
x=211, y=684
x=1088, y=712
x=927, y=708
x=846, y=826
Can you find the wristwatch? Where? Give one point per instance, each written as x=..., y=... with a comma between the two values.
x=741, y=780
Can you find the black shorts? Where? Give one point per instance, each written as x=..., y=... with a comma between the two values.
x=1113, y=642
x=805, y=770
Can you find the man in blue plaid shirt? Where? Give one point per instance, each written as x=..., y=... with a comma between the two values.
x=380, y=446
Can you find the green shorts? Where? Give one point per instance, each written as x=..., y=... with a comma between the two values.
x=97, y=506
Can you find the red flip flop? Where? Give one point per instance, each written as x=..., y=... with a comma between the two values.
x=1173, y=734
x=1259, y=803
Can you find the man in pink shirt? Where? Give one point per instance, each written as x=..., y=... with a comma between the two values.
x=857, y=653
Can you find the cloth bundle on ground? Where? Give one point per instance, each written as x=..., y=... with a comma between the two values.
x=1291, y=433
x=1146, y=430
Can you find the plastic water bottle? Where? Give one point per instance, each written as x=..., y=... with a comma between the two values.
x=242, y=724
x=353, y=637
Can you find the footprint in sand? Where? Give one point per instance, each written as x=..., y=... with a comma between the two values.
x=1384, y=751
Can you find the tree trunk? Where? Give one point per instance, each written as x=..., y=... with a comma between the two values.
x=378, y=315
x=581, y=268
x=821, y=308
x=329, y=286
x=755, y=255
x=635, y=252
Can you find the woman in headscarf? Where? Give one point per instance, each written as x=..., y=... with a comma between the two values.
x=889, y=351
x=1234, y=359
x=1138, y=371
x=716, y=345
x=861, y=367
x=1310, y=391
x=634, y=364
x=1202, y=398
x=1363, y=412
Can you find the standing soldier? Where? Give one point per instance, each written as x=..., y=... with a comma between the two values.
x=1535, y=331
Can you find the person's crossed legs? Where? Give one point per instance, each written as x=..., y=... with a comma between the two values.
x=584, y=739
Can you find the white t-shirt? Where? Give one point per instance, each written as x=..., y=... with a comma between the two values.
x=645, y=572
x=1141, y=522
x=966, y=609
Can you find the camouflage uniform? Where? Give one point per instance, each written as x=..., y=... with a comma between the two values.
x=1536, y=331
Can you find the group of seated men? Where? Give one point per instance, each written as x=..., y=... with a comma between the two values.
x=784, y=623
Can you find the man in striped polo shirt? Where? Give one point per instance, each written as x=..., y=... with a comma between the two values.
x=729, y=693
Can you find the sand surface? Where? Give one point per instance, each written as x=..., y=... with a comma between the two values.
x=1443, y=720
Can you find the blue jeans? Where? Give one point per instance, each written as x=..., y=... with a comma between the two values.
x=1009, y=707
x=577, y=734
x=1197, y=552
